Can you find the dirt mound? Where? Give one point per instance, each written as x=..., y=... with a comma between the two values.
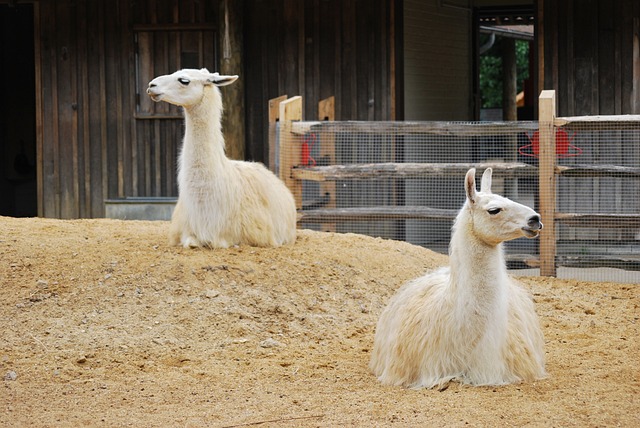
x=104, y=324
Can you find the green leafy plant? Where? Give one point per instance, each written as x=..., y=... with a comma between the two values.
x=491, y=72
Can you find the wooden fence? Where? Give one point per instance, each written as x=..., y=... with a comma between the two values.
x=292, y=131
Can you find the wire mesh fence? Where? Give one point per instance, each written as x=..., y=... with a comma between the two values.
x=600, y=184
x=404, y=181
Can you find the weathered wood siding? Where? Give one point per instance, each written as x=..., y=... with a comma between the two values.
x=317, y=49
x=99, y=136
x=437, y=61
x=591, y=55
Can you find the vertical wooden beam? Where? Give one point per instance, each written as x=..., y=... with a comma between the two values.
x=509, y=80
x=392, y=60
x=547, y=181
x=231, y=63
x=290, y=110
x=326, y=111
x=274, y=117
x=540, y=33
x=39, y=110
x=634, y=108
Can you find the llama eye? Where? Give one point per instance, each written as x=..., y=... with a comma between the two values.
x=494, y=211
x=184, y=81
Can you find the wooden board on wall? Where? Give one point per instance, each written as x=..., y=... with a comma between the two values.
x=591, y=55
x=95, y=142
x=316, y=50
x=591, y=58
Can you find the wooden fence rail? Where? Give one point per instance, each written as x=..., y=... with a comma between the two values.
x=292, y=130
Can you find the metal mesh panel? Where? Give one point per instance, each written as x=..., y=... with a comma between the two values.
x=607, y=192
x=404, y=181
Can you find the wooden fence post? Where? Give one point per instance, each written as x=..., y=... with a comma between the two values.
x=547, y=181
x=326, y=111
x=274, y=117
x=289, y=155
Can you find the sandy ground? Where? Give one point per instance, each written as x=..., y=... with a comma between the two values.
x=103, y=324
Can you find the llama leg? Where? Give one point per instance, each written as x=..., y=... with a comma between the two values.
x=177, y=221
x=179, y=232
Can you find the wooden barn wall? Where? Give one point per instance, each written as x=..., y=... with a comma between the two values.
x=99, y=138
x=437, y=61
x=317, y=48
x=591, y=55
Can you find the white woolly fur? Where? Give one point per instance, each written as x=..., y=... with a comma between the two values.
x=221, y=202
x=469, y=322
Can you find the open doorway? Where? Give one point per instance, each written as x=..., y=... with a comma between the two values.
x=506, y=63
x=18, y=185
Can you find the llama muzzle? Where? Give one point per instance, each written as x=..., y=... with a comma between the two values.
x=534, y=226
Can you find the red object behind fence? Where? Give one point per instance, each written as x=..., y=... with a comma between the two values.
x=305, y=152
x=564, y=148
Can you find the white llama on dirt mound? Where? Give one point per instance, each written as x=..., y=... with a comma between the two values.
x=221, y=202
x=469, y=322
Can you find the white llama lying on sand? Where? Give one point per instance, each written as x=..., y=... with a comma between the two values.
x=221, y=202
x=469, y=322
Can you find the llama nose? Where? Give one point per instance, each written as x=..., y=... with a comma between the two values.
x=534, y=222
x=151, y=85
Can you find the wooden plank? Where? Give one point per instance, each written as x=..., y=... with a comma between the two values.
x=64, y=79
x=597, y=171
x=529, y=260
x=634, y=104
x=393, y=114
x=547, y=181
x=375, y=213
x=290, y=110
x=407, y=170
x=599, y=220
x=50, y=146
x=541, y=29
x=606, y=57
x=232, y=63
x=128, y=101
x=326, y=111
x=274, y=116
x=85, y=175
x=198, y=26
x=509, y=79
x=408, y=127
x=119, y=131
x=348, y=61
x=40, y=113
x=101, y=111
x=308, y=61
x=630, y=262
x=599, y=119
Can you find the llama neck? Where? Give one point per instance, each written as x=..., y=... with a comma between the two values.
x=478, y=269
x=203, y=139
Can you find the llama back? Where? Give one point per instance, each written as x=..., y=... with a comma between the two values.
x=268, y=212
x=414, y=343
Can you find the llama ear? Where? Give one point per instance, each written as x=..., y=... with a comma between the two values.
x=485, y=184
x=219, y=80
x=470, y=185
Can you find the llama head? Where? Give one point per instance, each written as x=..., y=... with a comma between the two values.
x=493, y=218
x=186, y=87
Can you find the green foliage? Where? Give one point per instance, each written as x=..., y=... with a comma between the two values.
x=491, y=72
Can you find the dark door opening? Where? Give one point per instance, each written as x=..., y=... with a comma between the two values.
x=18, y=185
